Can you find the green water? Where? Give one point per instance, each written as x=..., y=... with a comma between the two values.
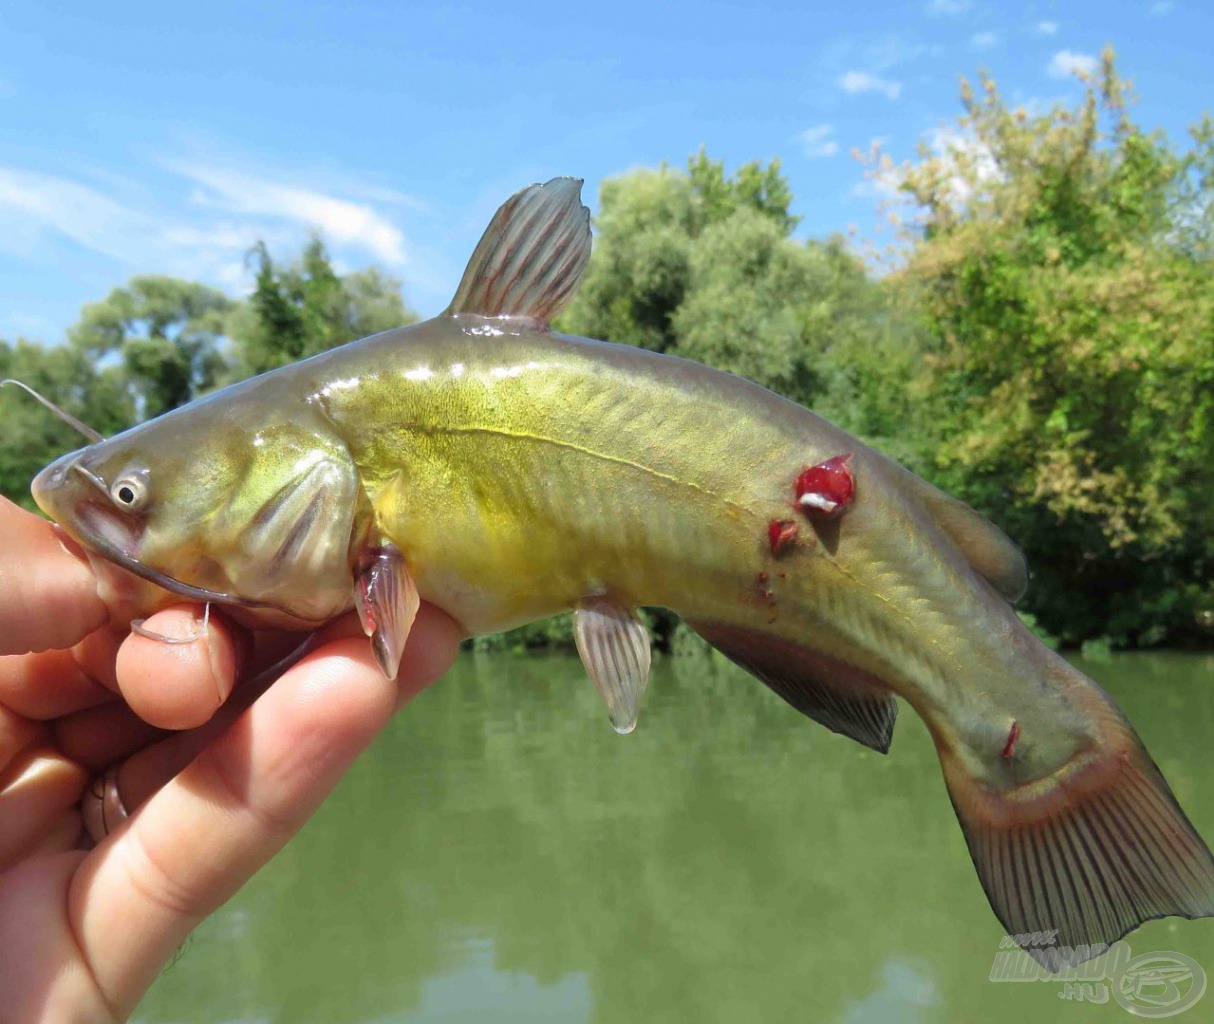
x=502, y=856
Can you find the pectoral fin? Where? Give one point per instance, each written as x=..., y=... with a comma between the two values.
x=614, y=645
x=532, y=256
x=832, y=692
x=387, y=601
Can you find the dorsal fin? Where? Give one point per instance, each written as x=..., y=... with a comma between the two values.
x=986, y=547
x=532, y=256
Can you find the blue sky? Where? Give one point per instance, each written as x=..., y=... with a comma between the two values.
x=167, y=138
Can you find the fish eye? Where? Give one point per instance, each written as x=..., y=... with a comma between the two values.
x=130, y=492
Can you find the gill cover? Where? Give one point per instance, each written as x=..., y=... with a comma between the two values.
x=289, y=542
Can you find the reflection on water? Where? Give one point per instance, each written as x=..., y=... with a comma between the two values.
x=503, y=855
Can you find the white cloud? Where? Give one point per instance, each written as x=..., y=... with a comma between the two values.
x=31, y=203
x=938, y=8
x=1046, y=28
x=204, y=226
x=1066, y=63
x=983, y=40
x=818, y=142
x=218, y=236
x=1162, y=7
x=39, y=211
x=341, y=220
x=861, y=81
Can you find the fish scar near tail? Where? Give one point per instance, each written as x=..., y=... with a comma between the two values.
x=1090, y=852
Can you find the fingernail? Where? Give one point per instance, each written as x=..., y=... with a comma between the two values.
x=221, y=658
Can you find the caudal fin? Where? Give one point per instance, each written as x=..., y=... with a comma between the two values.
x=1087, y=855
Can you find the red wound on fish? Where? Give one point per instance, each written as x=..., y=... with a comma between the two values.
x=1013, y=734
x=781, y=535
x=825, y=490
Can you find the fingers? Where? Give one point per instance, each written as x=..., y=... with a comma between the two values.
x=16, y=733
x=180, y=686
x=48, y=596
x=201, y=837
x=59, y=682
x=39, y=977
x=38, y=789
x=100, y=737
x=151, y=765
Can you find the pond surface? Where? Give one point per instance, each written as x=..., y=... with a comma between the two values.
x=502, y=856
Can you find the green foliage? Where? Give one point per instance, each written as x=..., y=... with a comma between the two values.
x=755, y=187
x=31, y=436
x=165, y=333
x=1063, y=275
x=304, y=307
x=648, y=225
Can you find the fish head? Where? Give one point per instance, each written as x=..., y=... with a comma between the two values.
x=212, y=504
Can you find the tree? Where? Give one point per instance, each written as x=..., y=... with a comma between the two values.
x=31, y=436
x=304, y=307
x=648, y=222
x=763, y=189
x=166, y=334
x=1063, y=271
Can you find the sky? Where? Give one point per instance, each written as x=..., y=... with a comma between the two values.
x=167, y=138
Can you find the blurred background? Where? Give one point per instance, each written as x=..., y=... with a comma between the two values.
x=980, y=236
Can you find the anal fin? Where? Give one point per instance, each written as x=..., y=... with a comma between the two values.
x=831, y=692
x=614, y=645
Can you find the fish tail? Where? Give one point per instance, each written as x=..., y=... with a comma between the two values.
x=1087, y=853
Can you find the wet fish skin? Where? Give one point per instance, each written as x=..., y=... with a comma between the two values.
x=506, y=472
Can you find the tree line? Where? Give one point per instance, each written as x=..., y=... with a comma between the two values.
x=1041, y=346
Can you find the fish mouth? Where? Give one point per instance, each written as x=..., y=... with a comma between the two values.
x=117, y=538
x=105, y=528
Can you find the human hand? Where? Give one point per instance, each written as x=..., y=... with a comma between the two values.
x=83, y=933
